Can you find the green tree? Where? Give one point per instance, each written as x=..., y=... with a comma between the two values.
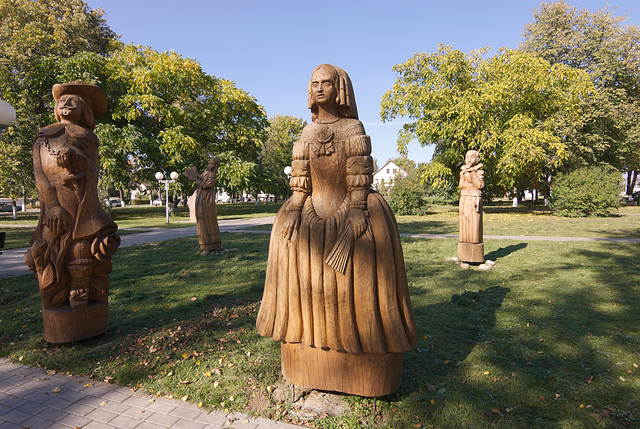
x=609, y=51
x=276, y=153
x=513, y=107
x=32, y=32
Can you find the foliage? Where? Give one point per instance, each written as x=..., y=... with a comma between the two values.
x=587, y=191
x=408, y=196
x=276, y=153
x=609, y=51
x=168, y=115
x=31, y=32
x=510, y=107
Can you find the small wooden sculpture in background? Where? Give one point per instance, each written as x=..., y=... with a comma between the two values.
x=75, y=239
x=206, y=212
x=471, y=247
x=336, y=293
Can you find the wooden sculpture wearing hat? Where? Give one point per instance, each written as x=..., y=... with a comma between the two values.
x=336, y=291
x=75, y=238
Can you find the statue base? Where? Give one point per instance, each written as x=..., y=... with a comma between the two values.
x=64, y=324
x=471, y=252
x=211, y=246
x=363, y=374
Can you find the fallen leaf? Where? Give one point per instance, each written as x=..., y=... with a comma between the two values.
x=200, y=404
x=432, y=402
x=184, y=398
x=216, y=383
x=622, y=378
x=51, y=372
x=56, y=390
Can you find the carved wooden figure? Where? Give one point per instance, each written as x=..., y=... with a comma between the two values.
x=471, y=247
x=336, y=291
x=75, y=239
x=205, y=206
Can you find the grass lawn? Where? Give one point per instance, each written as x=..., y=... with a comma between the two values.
x=550, y=337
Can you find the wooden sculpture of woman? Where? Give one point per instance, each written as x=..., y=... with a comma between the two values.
x=206, y=212
x=336, y=291
x=471, y=247
x=75, y=239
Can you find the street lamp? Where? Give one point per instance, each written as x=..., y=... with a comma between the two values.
x=287, y=171
x=159, y=177
x=7, y=116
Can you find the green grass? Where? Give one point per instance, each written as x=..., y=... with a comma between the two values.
x=548, y=338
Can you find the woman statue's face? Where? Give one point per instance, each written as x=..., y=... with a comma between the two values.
x=323, y=90
x=69, y=108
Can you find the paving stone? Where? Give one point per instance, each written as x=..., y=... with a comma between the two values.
x=188, y=424
x=35, y=422
x=101, y=415
x=124, y=422
x=16, y=416
x=74, y=421
x=98, y=425
x=211, y=419
x=161, y=420
x=185, y=413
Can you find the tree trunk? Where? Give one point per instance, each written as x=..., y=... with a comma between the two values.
x=24, y=199
x=14, y=209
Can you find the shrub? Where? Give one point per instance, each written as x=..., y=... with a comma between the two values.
x=588, y=191
x=408, y=197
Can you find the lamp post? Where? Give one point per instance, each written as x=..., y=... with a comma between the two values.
x=159, y=177
x=7, y=116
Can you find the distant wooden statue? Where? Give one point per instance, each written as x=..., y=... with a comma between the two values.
x=471, y=247
x=206, y=212
x=75, y=239
x=336, y=291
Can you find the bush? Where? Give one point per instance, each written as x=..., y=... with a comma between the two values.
x=588, y=191
x=140, y=202
x=408, y=197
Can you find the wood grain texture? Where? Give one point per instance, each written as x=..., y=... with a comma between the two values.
x=364, y=374
x=64, y=324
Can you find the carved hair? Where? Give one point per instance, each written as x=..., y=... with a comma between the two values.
x=345, y=99
x=87, y=118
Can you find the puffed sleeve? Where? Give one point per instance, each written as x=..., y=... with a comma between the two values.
x=300, y=180
x=359, y=169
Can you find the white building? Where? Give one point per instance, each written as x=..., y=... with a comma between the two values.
x=387, y=175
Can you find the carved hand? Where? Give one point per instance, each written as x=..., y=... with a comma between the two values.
x=58, y=220
x=71, y=160
x=358, y=221
x=291, y=224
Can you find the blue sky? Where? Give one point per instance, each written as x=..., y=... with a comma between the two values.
x=269, y=48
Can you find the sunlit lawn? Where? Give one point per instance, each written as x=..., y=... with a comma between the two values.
x=550, y=337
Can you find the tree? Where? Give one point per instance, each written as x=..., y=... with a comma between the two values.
x=276, y=153
x=31, y=33
x=514, y=108
x=587, y=191
x=168, y=114
x=609, y=51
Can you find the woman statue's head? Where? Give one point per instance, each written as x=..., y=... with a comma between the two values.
x=344, y=97
x=79, y=103
x=213, y=163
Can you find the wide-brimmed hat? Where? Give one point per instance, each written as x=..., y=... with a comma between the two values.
x=91, y=93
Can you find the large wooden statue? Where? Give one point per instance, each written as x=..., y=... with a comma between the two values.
x=336, y=291
x=206, y=212
x=75, y=239
x=471, y=247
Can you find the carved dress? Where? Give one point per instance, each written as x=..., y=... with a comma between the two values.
x=470, y=209
x=80, y=256
x=206, y=212
x=366, y=309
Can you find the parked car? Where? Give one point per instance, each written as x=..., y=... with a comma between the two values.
x=113, y=202
x=6, y=206
x=157, y=202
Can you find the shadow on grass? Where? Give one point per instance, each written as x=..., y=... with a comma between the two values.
x=504, y=251
x=427, y=227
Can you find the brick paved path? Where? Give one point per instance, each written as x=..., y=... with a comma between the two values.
x=28, y=399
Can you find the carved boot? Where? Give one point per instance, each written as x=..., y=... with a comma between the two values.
x=80, y=271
